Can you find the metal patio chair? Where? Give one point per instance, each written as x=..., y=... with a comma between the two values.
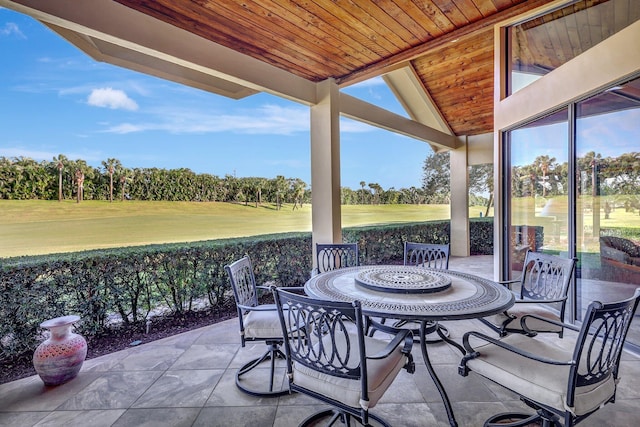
x=330, y=256
x=563, y=379
x=258, y=322
x=544, y=288
x=334, y=361
x=427, y=255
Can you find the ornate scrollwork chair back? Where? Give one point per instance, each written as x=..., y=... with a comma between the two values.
x=561, y=378
x=428, y=255
x=334, y=361
x=544, y=288
x=258, y=322
x=335, y=255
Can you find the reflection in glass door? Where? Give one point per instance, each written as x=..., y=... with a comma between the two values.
x=539, y=201
x=608, y=196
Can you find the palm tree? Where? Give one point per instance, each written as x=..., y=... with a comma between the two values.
x=123, y=182
x=80, y=183
x=59, y=161
x=589, y=164
x=377, y=189
x=110, y=166
x=260, y=183
x=298, y=192
x=362, y=184
x=544, y=163
x=110, y=183
x=280, y=186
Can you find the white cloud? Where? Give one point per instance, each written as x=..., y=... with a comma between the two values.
x=10, y=152
x=128, y=128
x=11, y=28
x=111, y=98
x=40, y=155
x=268, y=119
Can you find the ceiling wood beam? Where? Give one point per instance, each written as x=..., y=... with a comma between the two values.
x=362, y=111
x=415, y=98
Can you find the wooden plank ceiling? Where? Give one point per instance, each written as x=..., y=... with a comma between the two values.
x=449, y=43
x=545, y=43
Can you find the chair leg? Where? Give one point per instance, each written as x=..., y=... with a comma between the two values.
x=271, y=354
x=313, y=419
x=511, y=419
x=336, y=415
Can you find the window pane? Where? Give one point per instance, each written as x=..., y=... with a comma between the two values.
x=608, y=188
x=539, y=202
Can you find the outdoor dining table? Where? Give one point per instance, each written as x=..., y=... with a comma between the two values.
x=417, y=294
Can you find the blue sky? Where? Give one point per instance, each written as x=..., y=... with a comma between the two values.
x=610, y=136
x=57, y=100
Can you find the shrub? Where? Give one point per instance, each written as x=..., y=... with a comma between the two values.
x=131, y=284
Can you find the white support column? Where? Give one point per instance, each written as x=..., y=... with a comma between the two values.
x=326, y=222
x=460, y=240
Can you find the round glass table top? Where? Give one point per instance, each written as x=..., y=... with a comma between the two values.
x=388, y=292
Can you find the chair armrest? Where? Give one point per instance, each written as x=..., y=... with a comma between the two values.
x=546, y=301
x=531, y=332
x=507, y=283
x=295, y=288
x=292, y=289
x=473, y=353
x=404, y=335
x=270, y=288
x=257, y=307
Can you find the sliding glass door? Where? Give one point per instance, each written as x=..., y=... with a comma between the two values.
x=608, y=195
x=594, y=215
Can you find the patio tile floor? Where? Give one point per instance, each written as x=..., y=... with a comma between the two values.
x=189, y=380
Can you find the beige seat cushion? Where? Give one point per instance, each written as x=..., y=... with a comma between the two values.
x=262, y=324
x=380, y=374
x=540, y=382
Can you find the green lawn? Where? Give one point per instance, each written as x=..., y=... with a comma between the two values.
x=530, y=211
x=36, y=227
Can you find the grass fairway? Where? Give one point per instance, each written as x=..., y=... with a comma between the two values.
x=34, y=227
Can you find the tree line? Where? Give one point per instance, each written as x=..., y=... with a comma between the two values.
x=596, y=176
x=22, y=178
x=543, y=177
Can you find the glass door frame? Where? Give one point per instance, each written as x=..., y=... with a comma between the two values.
x=506, y=210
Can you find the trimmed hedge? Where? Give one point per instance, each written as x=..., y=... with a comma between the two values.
x=131, y=284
